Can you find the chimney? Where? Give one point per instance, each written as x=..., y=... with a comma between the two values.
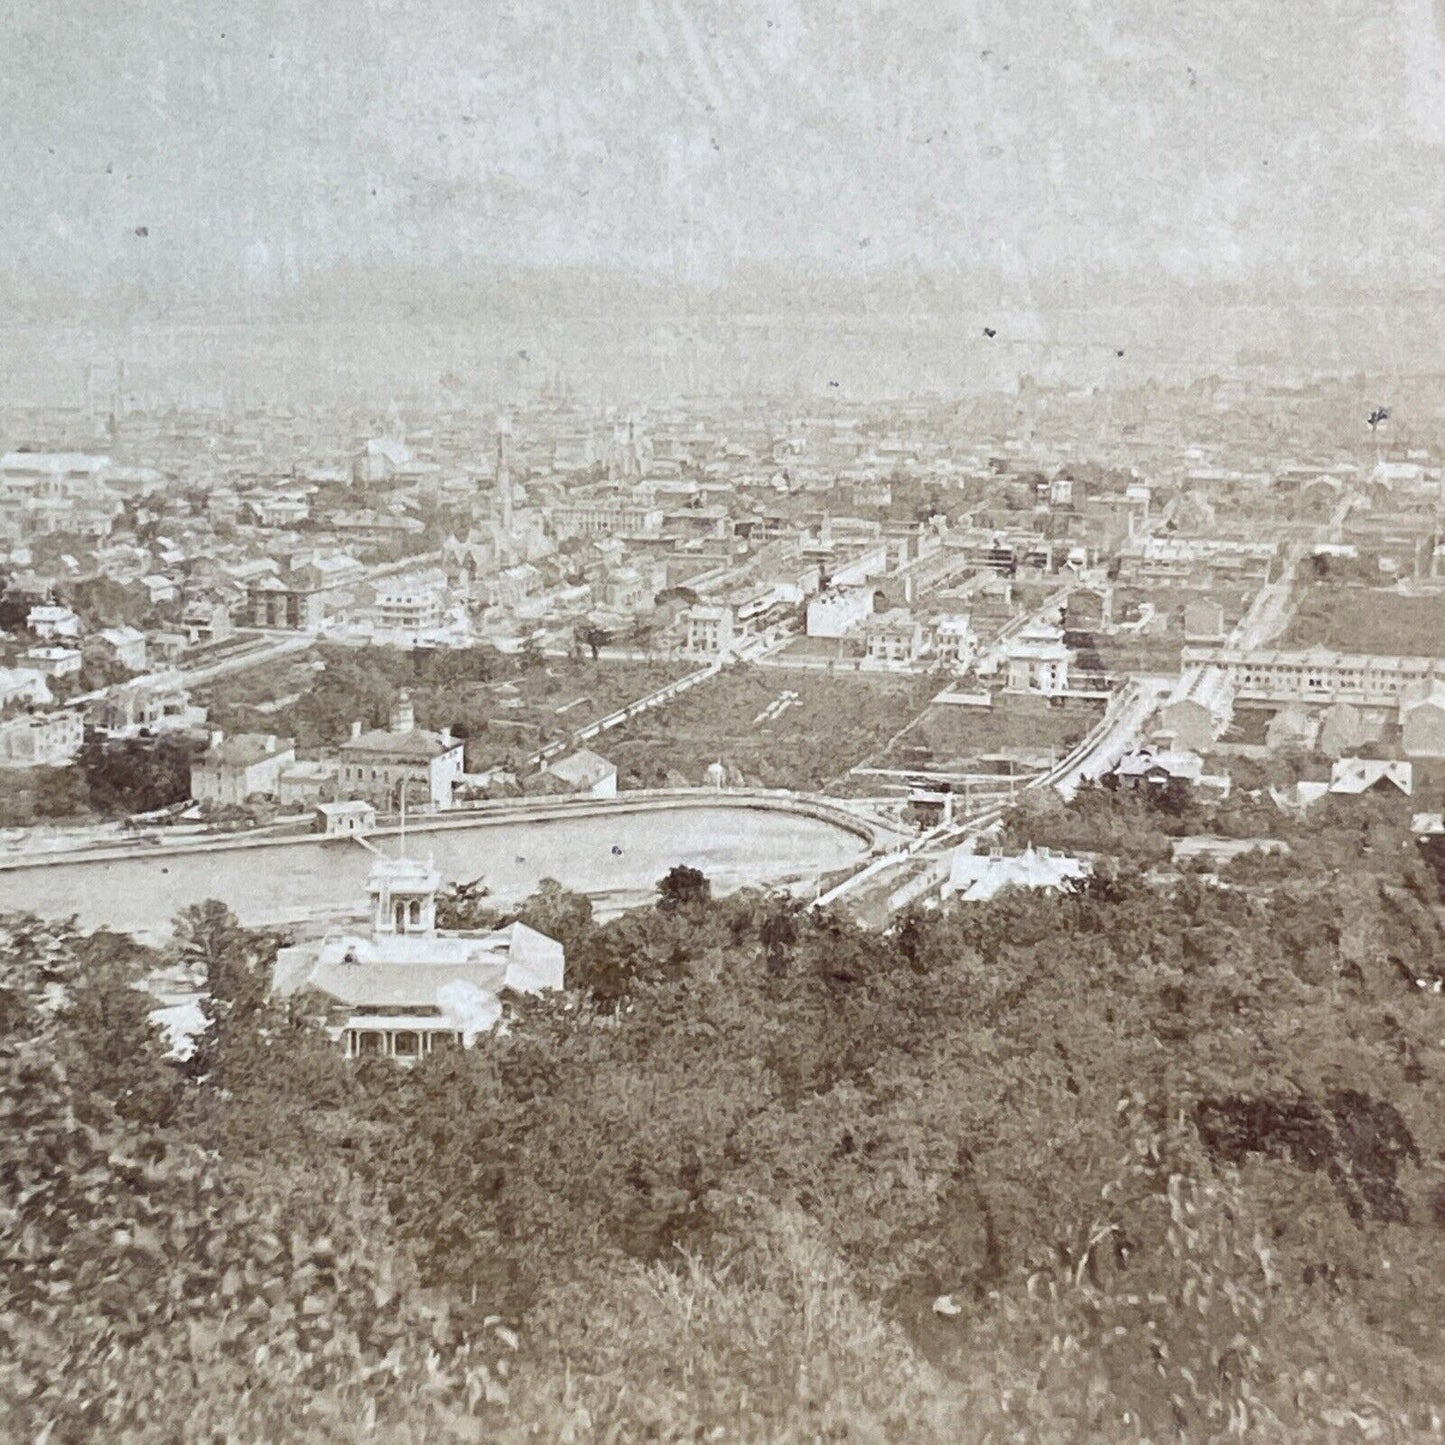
x=218, y=736
x=356, y=728
x=270, y=742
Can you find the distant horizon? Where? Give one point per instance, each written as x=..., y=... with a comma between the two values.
x=211, y=151
x=369, y=358
x=777, y=194
x=356, y=289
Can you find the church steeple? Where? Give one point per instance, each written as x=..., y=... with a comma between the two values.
x=504, y=476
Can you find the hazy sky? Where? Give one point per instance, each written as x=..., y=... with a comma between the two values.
x=268, y=141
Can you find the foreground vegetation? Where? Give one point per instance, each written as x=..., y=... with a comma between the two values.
x=1169, y=1153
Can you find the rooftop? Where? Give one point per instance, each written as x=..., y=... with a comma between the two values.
x=583, y=769
x=411, y=743
x=245, y=749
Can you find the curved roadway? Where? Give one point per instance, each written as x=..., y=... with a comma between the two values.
x=615, y=852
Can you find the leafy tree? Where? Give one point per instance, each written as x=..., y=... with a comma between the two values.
x=463, y=908
x=559, y=913
x=683, y=887
x=778, y=933
x=137, y=775
x=235, y=964
x=150, y=1292
x=104, y=602
x=111, y=1048
x=61, y=793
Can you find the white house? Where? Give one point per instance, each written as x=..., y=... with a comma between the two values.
x=1037, y=661
x=954, y=641
x=41, y=739
x=54, y=661
x=406, y=988
x=410, y=604
x=710, y=629
x=125, y=645
x=160, y=588
x=895, y=636
x=50, y=622
x=978, y=877
x=234, y=769
x=352, y=819
x=25, y=685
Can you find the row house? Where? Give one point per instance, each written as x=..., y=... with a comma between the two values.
x=1272, y=675
x=606, y=516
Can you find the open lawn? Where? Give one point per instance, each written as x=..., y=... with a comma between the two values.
x=1368, y=620
x=544, y=704
x=948, y=736
x=778, y=729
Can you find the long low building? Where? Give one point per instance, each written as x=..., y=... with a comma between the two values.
x=1268, y=675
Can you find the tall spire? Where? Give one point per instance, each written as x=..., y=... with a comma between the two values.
x=504, y=476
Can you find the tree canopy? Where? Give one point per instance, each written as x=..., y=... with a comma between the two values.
x=1153, y=1157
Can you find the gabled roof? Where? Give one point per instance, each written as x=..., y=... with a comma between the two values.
x=583, y=769
x=123, y=636
x=245, y=749
x=418, y=971
x=1352, y=776
x=977, y=877
x=1433, y=694
x=1177, y=763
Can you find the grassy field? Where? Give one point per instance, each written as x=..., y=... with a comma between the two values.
x=777, y=728
x=544, y=704
x=956, y=737
x=1354, y=619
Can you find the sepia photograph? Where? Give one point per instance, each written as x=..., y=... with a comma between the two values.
x=722, y=720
